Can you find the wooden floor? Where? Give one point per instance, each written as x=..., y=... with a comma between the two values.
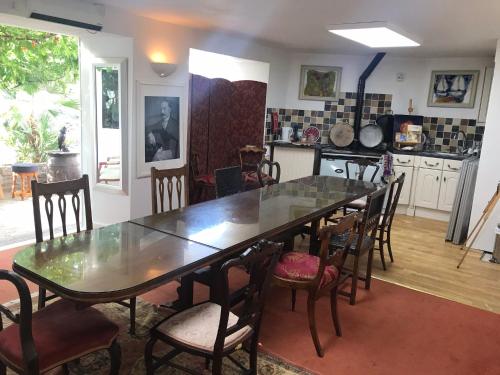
x=425, y=262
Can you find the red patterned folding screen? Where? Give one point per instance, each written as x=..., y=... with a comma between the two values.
x=200, y=109
x=225, y=116
x=248, y=109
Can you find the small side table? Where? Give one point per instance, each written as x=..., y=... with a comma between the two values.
x=26, y=172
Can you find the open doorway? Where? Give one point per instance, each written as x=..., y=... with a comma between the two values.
x=40, y=126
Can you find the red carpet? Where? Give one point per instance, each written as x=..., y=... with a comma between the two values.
x=391, y=330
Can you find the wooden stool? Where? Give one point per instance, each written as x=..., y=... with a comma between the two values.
x=26, y=172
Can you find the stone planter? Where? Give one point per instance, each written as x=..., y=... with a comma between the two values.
x=63, y=166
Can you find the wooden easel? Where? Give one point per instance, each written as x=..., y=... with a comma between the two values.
x=480, y=223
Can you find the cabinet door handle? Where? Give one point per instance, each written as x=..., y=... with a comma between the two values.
x=444, y=179
x=431, y=165
x=437, y=178
x=453, y=168
x=403, y=162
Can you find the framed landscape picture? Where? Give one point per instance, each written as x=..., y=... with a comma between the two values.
x=160, y=127
x=453, y=88
x=320, y=82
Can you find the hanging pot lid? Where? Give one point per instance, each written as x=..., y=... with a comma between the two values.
x=342, y=134
x=371, y=136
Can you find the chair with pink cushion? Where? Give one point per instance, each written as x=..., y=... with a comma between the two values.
x=317, y=274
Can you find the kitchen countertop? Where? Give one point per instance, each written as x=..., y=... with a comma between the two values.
x=331, y=148
x=434, y=154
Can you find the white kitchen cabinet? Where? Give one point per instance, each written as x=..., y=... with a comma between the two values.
x=427, y=188
x=404, y=198
x=294, y=162
x=447, y=191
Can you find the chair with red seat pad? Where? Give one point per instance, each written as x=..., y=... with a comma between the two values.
x=317, y=274
x=53, y=336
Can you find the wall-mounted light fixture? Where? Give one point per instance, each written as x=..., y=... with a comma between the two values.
x=163, y=69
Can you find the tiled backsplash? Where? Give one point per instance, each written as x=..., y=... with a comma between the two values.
x=441, y=130
x=374, y=106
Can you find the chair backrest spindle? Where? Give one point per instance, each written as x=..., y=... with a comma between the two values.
x=61, y=190
x=158, y=177
x=363, y=165
x=274, y=166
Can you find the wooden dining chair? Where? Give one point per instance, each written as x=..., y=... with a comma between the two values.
x=173, y=183
x=63, y=190
x=250, y=157
x=364, y=241
x=363, y=166
x=176, y=177
x=273, y=168
x=202, y=186
x=386, y=220
x=211, y=329
x=228, y=181
x=36, y=343
x=318, y=274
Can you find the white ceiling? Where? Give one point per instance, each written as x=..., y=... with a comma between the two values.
x=445, y=27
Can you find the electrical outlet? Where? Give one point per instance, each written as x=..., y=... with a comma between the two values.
x=400, y=77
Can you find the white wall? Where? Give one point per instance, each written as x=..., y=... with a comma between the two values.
x=383, y=80
x=489, y=171
x=217, y=65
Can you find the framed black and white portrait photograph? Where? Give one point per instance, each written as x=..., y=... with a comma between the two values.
x=161, y=118
x=453, y=88
x=160, y=127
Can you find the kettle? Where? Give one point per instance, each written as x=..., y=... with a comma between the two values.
x=286, y=133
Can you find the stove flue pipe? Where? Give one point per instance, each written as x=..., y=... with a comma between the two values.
x=360, y=96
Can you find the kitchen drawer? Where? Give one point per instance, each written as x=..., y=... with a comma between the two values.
x=403, y=160
x=452, y=165
x=431, y=163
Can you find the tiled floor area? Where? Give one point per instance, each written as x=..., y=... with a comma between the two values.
x=16, y=221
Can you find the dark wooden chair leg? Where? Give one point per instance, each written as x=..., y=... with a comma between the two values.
x=148, y=356
x=381, y=249
x=3, y=369
x=42, y=295
x=133, y=304
x=207, y=363
x=65, y=369
x=253, y=356
x=389, y=248
x=115, y=354
x=335, y=315
x=368, y=279
x=311, y=313
x=217, y=366
x=294, y=298
x=354, y=280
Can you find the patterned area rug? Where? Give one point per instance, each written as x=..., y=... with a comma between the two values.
x=133, y=349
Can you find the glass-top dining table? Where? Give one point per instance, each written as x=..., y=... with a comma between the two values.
x=127, y=259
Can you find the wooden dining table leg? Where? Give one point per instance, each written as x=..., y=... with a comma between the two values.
x=184, y=293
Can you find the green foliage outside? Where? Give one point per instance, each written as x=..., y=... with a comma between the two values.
x=32, y=138
x=32, y=62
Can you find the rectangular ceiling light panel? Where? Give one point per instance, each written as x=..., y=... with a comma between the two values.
x=374, y=36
